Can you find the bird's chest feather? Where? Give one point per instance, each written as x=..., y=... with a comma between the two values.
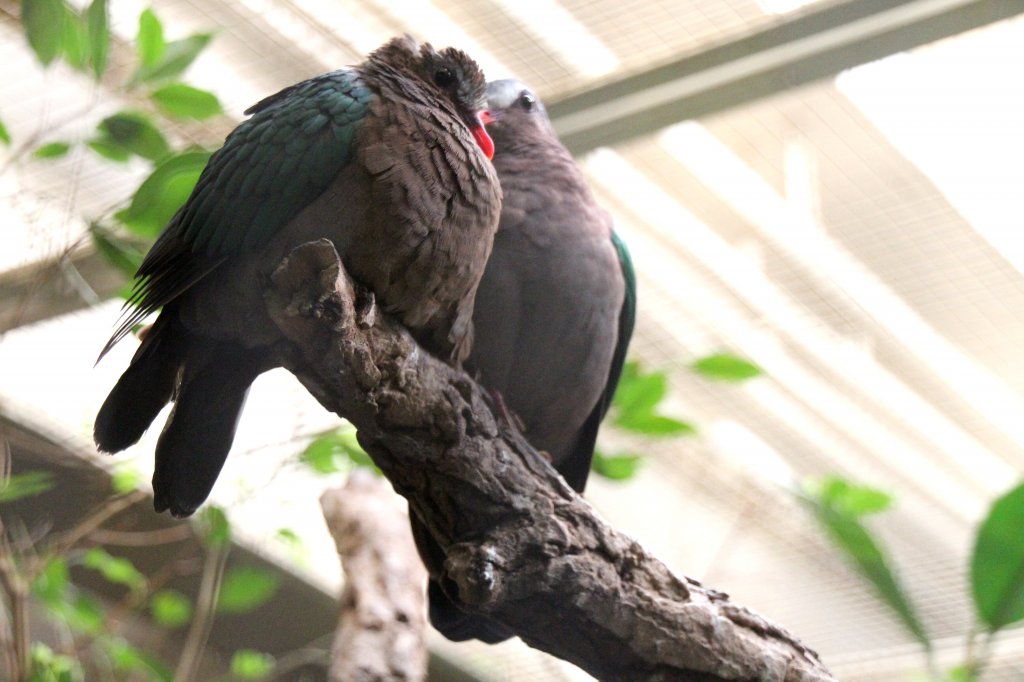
x=433, y=211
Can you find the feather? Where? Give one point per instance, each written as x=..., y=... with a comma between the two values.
x=338, y=156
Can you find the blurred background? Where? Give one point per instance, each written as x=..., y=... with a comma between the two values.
x=825, y=206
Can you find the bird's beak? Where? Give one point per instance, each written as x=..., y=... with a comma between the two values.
x=483, y=140
x=487, y=117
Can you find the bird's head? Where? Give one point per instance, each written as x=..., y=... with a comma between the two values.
x=514, y=113
x=451, y=73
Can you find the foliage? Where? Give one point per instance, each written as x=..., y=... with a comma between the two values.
x=839, y=507
x=635, y=408
x=247, y=664
x=46, y=666
x=619, y=467
x=170, y=608
x=336, y=450
x=725, y=367
x=245, y=589
x=58, y=32
x=115, y=569
x=98, y=629
x=125, y=478
x=996, y=564
x=25, y=484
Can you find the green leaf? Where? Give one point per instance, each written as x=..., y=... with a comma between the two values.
x=46, y=666
x=961, y=673
x=125, y=479
x=44, y=27
x=615, y=467
x=150, y=40
x=288, y=536
x=133, y=131
x=126, y=257
x=630, y=369
x=50, y=586
x=98, y=21
x=109, y=149
x=640, y=393
x=82, y=613
x=52, y=150
x=163, y=193
x=653, y=424
x=857, y=544
x=850, y=498
x=26, y=484
x=214, y=526
x=297, y=549
x=185, y=101
x=117, y=570
x=170, y=608
x=329, y=451
x=75, y=42
x=5, y=136
x=177, y=56
x=997, y=565
x=126, y=658
x=247, y=664
x=245, y=589
x=725, y=367
x=320, y=456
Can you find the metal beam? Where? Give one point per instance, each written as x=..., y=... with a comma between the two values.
x=797, y=51
x=39, y=291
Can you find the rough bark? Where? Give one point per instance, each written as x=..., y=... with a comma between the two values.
x=521, y=546
x=381, y=629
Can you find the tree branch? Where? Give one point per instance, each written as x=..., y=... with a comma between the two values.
x=381, y=633
x=521, y=546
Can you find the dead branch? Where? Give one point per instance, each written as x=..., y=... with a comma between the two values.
x=521, y=546
x=381, y=630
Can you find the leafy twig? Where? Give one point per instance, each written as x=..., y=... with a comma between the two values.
x=143, y=538
x=199, y=630
x=114, y=505
x=16, y=588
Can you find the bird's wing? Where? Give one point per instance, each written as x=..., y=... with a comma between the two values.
x=270, y=167
x=577, y=467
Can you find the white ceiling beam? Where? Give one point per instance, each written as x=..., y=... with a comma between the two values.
x=798, y=50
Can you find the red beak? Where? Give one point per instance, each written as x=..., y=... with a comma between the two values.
x=483, y=140
x=486, y=117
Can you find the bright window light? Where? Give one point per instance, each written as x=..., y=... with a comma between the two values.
x=429, y=23
x=783, y=6
x=965, y=460
x=556, y=27
x=795, y=231
x=956, y=110
x=341, y=20
x=748, y=451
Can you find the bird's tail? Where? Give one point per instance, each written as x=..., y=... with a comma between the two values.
x=195, y=442
x=143, y=390
x=445, y=614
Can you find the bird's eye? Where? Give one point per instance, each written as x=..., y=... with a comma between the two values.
x=526, y=101
x=444, y=78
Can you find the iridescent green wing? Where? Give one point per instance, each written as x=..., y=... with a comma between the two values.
x=271, y=167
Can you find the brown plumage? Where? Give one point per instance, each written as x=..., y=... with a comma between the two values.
x=385, y=159
x=553, y=316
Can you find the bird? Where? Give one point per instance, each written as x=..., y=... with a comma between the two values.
x=553, y=317
x=390, y=161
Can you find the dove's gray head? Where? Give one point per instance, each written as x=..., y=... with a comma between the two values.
x=514, y=111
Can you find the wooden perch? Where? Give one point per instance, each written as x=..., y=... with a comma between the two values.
x=381, y=630
x=521, y=546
